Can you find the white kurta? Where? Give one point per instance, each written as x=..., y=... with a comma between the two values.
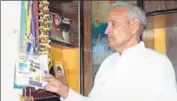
x=139, y=74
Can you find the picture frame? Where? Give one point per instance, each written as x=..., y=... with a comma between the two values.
x=60, y=72
x=60, y=27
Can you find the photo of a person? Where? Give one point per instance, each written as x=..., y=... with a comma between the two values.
x=32, y=69
x=56, y=33
x=60, y=74
x=59, y=28
x=57, y=19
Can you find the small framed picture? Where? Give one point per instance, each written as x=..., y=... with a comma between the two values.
x=60, y=72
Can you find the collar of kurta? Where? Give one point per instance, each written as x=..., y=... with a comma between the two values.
x=135, y=50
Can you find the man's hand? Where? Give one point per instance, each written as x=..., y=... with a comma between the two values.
x=56, y=86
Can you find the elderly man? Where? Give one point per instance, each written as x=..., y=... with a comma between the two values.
x=134, y=72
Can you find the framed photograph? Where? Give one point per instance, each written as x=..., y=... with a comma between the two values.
x=60, y=27
x=65, y=27
x=60, y=72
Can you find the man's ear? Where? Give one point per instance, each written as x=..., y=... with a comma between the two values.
x=135, y=26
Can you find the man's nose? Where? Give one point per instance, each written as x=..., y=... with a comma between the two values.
x=108, y=30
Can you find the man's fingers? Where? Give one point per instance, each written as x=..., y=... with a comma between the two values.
x=51, y=88
x=47, y=87
x=48, y=78
x=48, y=75
x=52, y=80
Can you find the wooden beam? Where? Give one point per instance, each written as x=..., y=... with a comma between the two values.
x=87, y=48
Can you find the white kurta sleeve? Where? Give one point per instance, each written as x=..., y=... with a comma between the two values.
x=170, y=82
x=74, y=96
x=170, y=79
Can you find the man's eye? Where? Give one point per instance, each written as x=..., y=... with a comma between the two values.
x=114, y=23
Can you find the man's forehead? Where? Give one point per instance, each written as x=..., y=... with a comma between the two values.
x=117, y=13
x=119, y=9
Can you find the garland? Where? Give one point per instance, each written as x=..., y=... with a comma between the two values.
x=44, y=30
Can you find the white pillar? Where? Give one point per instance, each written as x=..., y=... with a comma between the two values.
x=10, y=24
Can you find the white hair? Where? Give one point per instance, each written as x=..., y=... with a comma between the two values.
x=133, y=11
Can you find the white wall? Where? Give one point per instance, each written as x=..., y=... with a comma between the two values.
x=10, y=18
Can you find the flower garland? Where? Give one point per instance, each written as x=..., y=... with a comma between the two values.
x=44, y=28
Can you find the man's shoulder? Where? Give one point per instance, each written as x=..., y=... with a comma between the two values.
x=113, y=56
x=155, y=55
x=107, y=63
